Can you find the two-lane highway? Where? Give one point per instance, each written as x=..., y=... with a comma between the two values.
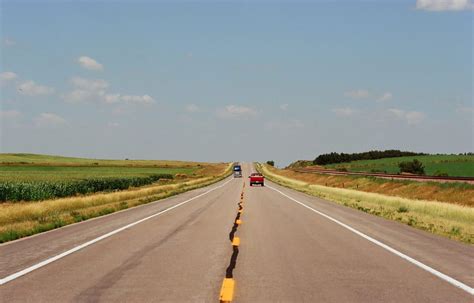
x=292, y=249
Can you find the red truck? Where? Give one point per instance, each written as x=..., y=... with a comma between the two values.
x=256, y=178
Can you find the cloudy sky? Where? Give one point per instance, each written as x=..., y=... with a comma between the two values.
x=247, y=80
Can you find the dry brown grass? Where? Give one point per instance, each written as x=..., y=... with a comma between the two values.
x=450, y=193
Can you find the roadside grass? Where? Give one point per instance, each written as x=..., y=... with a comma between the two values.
x=455, y=192
x=445, y=219
x=23, y=219
x=453, y=165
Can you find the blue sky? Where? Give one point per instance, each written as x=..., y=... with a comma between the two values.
x=247, y=80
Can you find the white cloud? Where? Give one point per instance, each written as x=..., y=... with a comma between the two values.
x=8, y=76
x=410, y=117
x=385, y=97
x=95, y=90
x=10, y=114
x=365, y=94
x=111, y=98
x=344, y=111
x=9, y=42
x=89, y=63
x=284, y=106
x=130, y=99
x=88, y=84
x=145, y=99
x=397, y=112
x=444, y=5
x=30, y=88
x=49, y=119
x=357, y=94
x=191, y=108
x=86, y=90
x=235, y=111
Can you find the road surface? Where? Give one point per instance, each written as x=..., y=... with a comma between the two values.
x=293, y=248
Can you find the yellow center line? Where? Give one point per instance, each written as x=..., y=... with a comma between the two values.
x=227, y=290
x=228, y=285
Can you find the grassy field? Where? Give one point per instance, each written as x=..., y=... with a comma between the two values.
x=46, y=160
x=30, y=177
x=454, y=193
x=68, y=173
x=447, y=219
x=20, y=219
x=453, y=165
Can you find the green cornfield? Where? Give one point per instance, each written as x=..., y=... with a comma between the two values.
x=42, y=190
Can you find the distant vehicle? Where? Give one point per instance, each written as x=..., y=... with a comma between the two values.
x=256, y=178
x=237, y=171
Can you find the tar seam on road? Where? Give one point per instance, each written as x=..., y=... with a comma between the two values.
x=423, y=266
x=107, y=235
x=235, y=249
x=228, y=285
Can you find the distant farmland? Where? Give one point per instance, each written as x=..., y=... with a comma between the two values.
x=30, y=177
x=36, y=159
x=453, y=165
x=70, y=173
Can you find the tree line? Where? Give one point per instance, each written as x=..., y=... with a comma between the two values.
x=333, y=157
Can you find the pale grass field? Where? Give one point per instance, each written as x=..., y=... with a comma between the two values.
x=449, y=220
x=50, y=160
x=455, y=193
x=27, y=218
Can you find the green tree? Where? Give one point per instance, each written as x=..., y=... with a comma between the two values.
x=412, y=167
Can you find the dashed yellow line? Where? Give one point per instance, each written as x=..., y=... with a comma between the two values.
x=227, y=291
x=236, y=241
x=228, y=285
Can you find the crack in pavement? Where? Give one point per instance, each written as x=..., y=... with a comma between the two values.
x=228, y=285
x=235, y=248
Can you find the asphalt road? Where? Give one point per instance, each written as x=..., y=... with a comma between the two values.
x=288, y=253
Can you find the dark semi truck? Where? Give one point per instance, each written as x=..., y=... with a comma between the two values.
x=237, y=171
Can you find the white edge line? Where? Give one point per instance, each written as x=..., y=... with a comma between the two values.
x=429, y=269
x=107, y=235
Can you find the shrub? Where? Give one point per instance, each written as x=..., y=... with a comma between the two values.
x=271, y=163
x=402, y=209
x=332, y=158
x=412, y=167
